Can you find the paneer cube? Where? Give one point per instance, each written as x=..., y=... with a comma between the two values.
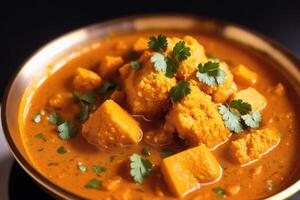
x=111, y=126
x=253, y=145
x=243, y=75
x=86, y=80
x=140, y=45
x=253, y=97
x=110, y=65
x=185, y=171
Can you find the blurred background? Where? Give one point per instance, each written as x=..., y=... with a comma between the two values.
x=27, y=25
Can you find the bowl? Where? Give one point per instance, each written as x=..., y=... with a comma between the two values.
x=35, y=69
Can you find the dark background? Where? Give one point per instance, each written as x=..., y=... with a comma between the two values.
x=27, y=25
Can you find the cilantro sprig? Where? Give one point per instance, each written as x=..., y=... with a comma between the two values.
x=66, y=130
x=139, y=168
x=159, y=43
x=180, y=90
x=211, y=74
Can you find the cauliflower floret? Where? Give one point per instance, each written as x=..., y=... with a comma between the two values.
x=147, y=91
x=196, y=119
x=86, y=80
x=253, y=145
x=111, y=126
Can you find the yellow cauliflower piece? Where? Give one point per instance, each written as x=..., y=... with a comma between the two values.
x=86, y=80
x=185, y=171
x=111, y=126
x=196, y=119
x=253, y=145
x=147, y=91
x=110, y=65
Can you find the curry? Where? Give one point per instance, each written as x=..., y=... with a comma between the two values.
x=164, y=116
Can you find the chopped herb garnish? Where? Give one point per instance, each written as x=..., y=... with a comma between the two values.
x=40, y=149
x=165, y=153
x=107, y=89
x=180, y=90
x=159, y=43
x=53, y=118
x=133, y=55
x=139, y=190
x=172, y=67
x=94, y=183
x=241, y=106
x=40, y=136
x=146, y=151
x=135, y=65
x=211, y=74
x=61, y=150
x=99, y=169
x=37, y=118
x=112, y=158
x=223, y=166
x=139, y=168
x=252, y=120
x=83, y=114
x=82, y=167
x=66, y=130
x=181, y=52
x=159, y=62
x=220, y=192
x=231, y=119
x=87, y=97
x=53, y=164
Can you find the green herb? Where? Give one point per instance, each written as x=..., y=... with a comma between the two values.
x=165, y=153
x=139, y=190
x=252, y=120
x=211, y=74
x=135, y=65
x=180, y=90
x=53, y=164
x=83, y=114
x=40, y=136
x=223, y=166
x=87, y=97
x=159, y=62
x=107, y=89
x=66, y=130
x=172, y=67
x=133, y=55
x=82, y=167
x=94, y=184
x=53, y=118
x=219, y=192
x=231, y=120
x=159, y=43
x=112, y=158
x=146, y=151
x=61, y=150
x=139, y=168
x=37, y=118
x=241, y=106
x=40, y=149
x=181, y=52
x=99, y=169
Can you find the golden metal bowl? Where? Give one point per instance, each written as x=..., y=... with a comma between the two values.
x=32, y=71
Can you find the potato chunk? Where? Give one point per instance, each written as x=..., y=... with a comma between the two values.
x=253, y=145
x=110, y=65
x=253, y=97
x=111, y=126
x=196, y=119
x=86, y=80
x=243, y=75
x=185, y=171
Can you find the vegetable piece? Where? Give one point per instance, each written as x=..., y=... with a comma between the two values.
x=37, y=118
x=211, y=74
x=109, y=66
x=165, y=153
x=61, y=150
x=185, y=171
x=139, y=168
x=111, y=126
x=181, y=51
x=159, y=62
x=241, y=106
x=82, y=167
x=220, y=192
x=66, y=130
x=99, y=169
x=107, y=89
x=86, y=80
x=254, y=145
x=180, y=90
x=146, y=151
x=135, y=65
x=159, y=43
x=94, y=184
x=243, y=75
x=231, y=120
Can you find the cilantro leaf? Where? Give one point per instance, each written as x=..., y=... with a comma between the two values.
x=55, y=118
x=159, y=62
x=82, y=167
x=133, y=55
x=94, y=184
x=211, y=74
x=66, y=130
x=146, y=151
x=231, y=120
x=180, y=51
x=107, y=89
x=220, y=192
x=172, y=67
x=158, y=43
x=135, y=65
x=241, y=106
x=37, y=118
x=87, y=97
x=139, y=168
x=83, y=114
x=252, y=120
x=165, y=153
x=40, y=136
x=99, y=169
x=61, y=150
x=180, y=90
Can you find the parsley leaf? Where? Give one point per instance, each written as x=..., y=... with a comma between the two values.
x=37, y=118
x=241, y=106
x=180, y=51
x=61, y=150
x=107, y=89
x=146, y=151
x=139, y=168
x=135, y=65
x=94, y=184
x=99, y=169
x=165, y=153
x=220, y=192
x=158, y=43
x=172, y=67
x=82, y=167
x=83, y=114
x=252, y=120
x=180, y=90
x=231, y=120
x=66, y=130
x=159, y=62
x=211, y=74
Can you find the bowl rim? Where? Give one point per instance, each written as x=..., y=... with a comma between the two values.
x=60, y=191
